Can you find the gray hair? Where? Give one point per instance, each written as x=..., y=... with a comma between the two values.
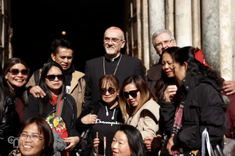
x=116, y=28
x=159, y=32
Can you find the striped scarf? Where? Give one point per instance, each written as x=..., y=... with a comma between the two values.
x=177, y=124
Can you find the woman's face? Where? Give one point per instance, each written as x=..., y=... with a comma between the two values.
x=109, y=93
x=167, y=65
x=120, y=145
x=31, y=141
x=132, y=95
x=17, y=75
x=54, y=79
x=180, y=72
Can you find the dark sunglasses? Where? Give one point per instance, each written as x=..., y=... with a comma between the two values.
x=52, y=77
x=132, y=93
x=17, y=71
x=110, y=90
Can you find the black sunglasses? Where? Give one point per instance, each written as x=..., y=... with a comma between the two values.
x=132, y=93
x=52, y=77
x=17, y=71
x=110, y=90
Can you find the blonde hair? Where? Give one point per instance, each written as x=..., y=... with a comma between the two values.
x=145, y=95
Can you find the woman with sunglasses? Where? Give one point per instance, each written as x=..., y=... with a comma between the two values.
x=57, y=107
x=103, y=116
x=138, y=106
x=12, y=101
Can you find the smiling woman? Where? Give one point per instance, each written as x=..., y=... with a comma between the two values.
x=103, y=116
x=35, y=139
x=128, y=142
x=13, y=100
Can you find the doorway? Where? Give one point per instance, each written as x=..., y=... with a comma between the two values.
x=37, y=23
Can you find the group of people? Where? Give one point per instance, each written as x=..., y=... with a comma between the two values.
x=114, y=108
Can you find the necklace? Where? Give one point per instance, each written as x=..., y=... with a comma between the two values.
x=115, y=68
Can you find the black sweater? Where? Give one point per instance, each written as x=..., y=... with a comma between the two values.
x=107, y=123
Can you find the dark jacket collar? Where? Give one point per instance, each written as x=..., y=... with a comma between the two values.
x=190, y=82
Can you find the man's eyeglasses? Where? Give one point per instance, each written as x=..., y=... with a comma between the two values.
x=132, y=93
x=17, y=71
x=114, y=40
x=166, y=43
x=52, y=77
x=110, y=90
x=33, y=137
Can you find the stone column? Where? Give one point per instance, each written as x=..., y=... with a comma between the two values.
x=170, y=16
x=210, y=32
x=145, y=36
x=156, y=21
x=226, y=62
x=196, y=24
x=183, y=22
x=233, y=37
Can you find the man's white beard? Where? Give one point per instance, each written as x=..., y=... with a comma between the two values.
x=110, y=51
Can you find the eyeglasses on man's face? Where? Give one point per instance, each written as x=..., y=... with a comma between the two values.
x=33, y=137
x=17, y=71
x=164, y=43
x=113, y=40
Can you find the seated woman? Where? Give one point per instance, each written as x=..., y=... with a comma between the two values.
x=103, y=116
x=57, y=107
x=198, y=104
x=13, y=99
x=127, y=141
x=35, y=139
x=138, y=106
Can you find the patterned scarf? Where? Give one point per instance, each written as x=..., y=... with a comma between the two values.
x=177, y=124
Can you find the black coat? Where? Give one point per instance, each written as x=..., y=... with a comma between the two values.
x=68, y=114
x=9, y=126
x=204, y=107
x=94, y=71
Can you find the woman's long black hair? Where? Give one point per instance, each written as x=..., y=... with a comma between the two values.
x=43, y=85
x=164, y=81
x=186, y=54
x=4, y=87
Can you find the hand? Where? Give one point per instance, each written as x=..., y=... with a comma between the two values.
x=96, y=144
x=170, y=93
x=152, y=143
x=229, y=87
x=89, y=119
x=37, y=92
x=72, y=142
x=170, y=145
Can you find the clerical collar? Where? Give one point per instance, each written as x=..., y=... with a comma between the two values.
x=112, y=59
x=116, y=65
